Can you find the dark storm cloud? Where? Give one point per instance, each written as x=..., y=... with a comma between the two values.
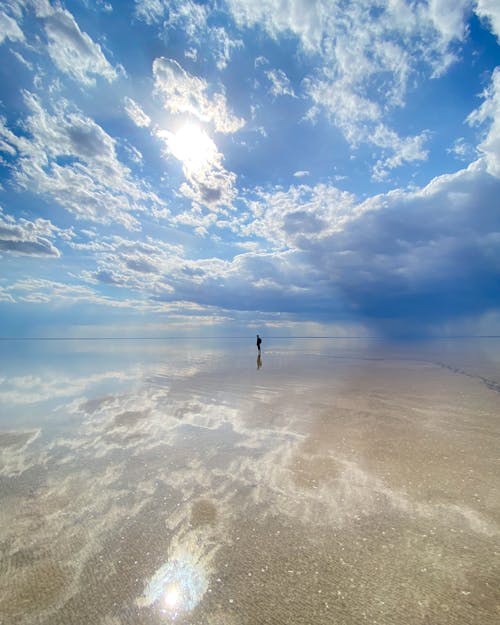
x=431, y=254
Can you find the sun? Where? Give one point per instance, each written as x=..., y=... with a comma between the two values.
x=193, y=147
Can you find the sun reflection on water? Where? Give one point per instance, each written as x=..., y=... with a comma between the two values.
x=173, y=596
x=176, y=587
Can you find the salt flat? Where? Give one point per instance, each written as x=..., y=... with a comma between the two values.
x=342, y=481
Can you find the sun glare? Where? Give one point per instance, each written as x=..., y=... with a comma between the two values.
x=177, y=586
x=193, y=147
x=172, y=596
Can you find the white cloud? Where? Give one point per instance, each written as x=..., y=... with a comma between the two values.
x=191, y=53
x=162, y=272
x=140, y=266
x=31, y=238
x=192, y=18
x=213, y=187
x=489, y=111
x=307, y=19
x=462, y=150
x=183, y=93
x=489, y=10
x=405, y=150
x=280, y=217
x=301, y=173
x=136, y=114
x=42, y=291
x=74, y=52
x=360, y=121
x=42, y=8
x=134, y=154
x=5, y=296
x=34, y=290
x=22, y=60
x=350, y=111
x=195, y=218
x=318, y=23
x=9, y=29
x=188, y=16
x=366, y=55
x=71, y=159
x=222, y=46
x=448, y=17
x=280, y=83
x=150, y=10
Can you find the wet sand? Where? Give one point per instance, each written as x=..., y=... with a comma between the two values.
x=339, y=483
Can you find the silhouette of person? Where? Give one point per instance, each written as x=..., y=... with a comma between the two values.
x=259, y=341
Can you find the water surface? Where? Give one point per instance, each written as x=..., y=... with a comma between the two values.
x=336, y=481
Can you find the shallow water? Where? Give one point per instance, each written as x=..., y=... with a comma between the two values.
x=342, y=481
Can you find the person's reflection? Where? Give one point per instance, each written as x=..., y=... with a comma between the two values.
x=259, y=361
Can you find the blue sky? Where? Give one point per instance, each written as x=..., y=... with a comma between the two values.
x=285, y=166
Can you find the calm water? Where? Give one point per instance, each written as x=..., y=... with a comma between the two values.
x=333, y=482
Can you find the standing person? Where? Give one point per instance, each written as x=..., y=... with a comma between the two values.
x=259, y=341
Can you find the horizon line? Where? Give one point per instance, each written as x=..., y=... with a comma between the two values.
x=245, y=336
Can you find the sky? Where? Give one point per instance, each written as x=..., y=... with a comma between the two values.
x=288, y=167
